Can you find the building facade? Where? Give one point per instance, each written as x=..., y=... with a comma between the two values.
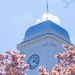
x=41, y=43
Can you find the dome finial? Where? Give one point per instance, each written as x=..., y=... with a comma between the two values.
x=47, y=9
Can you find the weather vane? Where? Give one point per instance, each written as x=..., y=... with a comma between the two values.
x=47, y=9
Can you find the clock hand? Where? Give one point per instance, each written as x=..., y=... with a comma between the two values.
x=35, y=60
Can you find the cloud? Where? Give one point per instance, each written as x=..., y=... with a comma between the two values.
x=50, y=17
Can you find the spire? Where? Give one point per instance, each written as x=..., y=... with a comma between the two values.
x=47, y=9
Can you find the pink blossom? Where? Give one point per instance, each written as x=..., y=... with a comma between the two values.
x=66, y=65
x=12, y=64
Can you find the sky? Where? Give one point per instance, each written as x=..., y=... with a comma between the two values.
x=16, y=16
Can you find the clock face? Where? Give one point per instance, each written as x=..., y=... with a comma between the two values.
x=33, y=61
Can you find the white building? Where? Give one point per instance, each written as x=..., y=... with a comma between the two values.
x=41, y=43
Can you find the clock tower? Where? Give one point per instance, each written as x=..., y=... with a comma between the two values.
x=41, y=43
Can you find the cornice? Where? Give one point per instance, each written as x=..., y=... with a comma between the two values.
x=37, y=40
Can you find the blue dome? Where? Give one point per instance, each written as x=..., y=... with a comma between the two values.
x=46, y=25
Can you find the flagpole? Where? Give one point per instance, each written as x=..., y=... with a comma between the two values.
x=47, y=9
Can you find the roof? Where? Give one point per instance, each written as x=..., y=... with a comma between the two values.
x=46, y=25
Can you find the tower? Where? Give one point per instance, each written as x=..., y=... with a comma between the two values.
x=41, y=43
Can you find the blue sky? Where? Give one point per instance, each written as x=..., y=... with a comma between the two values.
x=16, y=16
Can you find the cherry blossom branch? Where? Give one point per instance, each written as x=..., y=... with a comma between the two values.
x=12, y=63
x=66, y=65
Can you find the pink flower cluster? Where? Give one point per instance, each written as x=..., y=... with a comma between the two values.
x=66, y=65
x=12, y=64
